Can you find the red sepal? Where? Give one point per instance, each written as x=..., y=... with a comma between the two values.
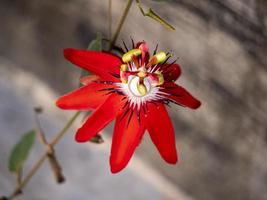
x=101, y=117
x=126, y=137
x=100, y=63
x=180, y=95
x=159, y=126
x=85, y=98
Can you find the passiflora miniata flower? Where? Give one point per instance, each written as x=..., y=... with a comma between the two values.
x=133, y=90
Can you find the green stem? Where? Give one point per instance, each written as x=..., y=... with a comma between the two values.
x=109, y=19
x=65, y=128
x=117, y=32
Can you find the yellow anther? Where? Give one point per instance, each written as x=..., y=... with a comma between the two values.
x=128, y=56
x=124, y=67
x=161, y=57
x=141, y=89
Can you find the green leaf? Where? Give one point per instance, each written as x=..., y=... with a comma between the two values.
x=152, y=14
x=95, y=45
x=20, y=151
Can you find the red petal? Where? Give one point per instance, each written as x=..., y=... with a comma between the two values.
x=85, y=98
x=126, y=137
x=160, y=129
x=99, y=63
x=180, y=95
x=171, y=72
x=100, y=118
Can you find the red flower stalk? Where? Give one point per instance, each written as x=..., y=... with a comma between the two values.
x=133, y=90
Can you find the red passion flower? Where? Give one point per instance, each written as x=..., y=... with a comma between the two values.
x=133, y=90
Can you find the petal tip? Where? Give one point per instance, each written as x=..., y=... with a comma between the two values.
x=80, y=137
x=68, y=52
x=196, y=105
x=116, y=165
x=171, y=159
x=115, y=168
x=59, y=103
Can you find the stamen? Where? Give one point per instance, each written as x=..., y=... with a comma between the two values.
x=161, y=57
x=127, y=57
x=152, y=61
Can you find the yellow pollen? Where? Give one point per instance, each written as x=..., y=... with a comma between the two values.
x=127, y=57
x=161, y=57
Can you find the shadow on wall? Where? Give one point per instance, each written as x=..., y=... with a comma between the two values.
x=246, y=22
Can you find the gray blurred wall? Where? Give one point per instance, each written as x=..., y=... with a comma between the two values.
x=222, y=48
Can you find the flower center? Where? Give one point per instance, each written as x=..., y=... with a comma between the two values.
x=140, y=75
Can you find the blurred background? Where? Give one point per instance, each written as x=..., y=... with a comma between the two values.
x=222, y=48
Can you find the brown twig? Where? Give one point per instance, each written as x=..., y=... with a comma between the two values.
x=51, y=155
x=118, y=30
x=39, y=162
x=109, y=19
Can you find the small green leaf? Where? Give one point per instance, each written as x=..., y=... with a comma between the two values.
x=156, y=17
x=95, y=45
x=97, y=139
x=20, y=151
x=152, y=14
